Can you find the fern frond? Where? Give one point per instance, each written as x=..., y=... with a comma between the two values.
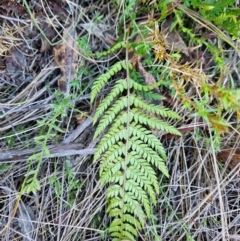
x=128, y=232
x=129, y=152
x=110, y=114
x=117, y=133
x=134, y=188
x=148, y=154
x=120, y=85
x=112, y=154
x=117, y=205
x=126, y=203
x=139, y=164
x=153, y=122
x=113, y=136
x=144, y=88
x=130, y=228
x=139, y=171
x=146, y=188
x=113, y=49
x=103, y=79
x=147, y=137
x=159, y=110
x=150, y=95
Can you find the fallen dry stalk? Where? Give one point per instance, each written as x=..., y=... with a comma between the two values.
x=55, y=151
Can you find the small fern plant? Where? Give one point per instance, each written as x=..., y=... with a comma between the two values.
x=129, y=153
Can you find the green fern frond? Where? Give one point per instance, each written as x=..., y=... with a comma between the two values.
x=140, y=171
x=147, y=137
x=115, y=134
x=110, y=115
x=141, y=87
x=114, y=151
x=103, y=79
x=153, y=122
x=148, y=154
x=159, y=110
x=120, y=85
x=115, y=196
x=138, y=163
x=135, y=101
x=113, y=49
x=150, y=95
x=140, y=194
x=129, y=152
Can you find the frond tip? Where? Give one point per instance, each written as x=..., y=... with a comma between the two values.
x=102, y=79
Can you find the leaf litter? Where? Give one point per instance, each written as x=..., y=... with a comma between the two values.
x=66, y=56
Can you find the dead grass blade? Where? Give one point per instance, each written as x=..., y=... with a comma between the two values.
x=66, y=56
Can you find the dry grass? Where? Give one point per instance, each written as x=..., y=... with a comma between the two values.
x=200, y=201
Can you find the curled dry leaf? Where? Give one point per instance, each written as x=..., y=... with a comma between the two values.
x=66, y=57
x=49, y=32
x=172, y=39
x=57, y=9
x=80, y=118
x=102, y=31
x=148, y=78
x=13, y=7
x=230, y=157
x=16, y=64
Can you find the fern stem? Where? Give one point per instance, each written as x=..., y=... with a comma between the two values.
x=127, y=129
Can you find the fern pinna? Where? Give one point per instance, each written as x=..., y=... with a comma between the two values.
x=129, y=153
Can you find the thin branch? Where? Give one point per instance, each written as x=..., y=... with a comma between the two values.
x=55, y=151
